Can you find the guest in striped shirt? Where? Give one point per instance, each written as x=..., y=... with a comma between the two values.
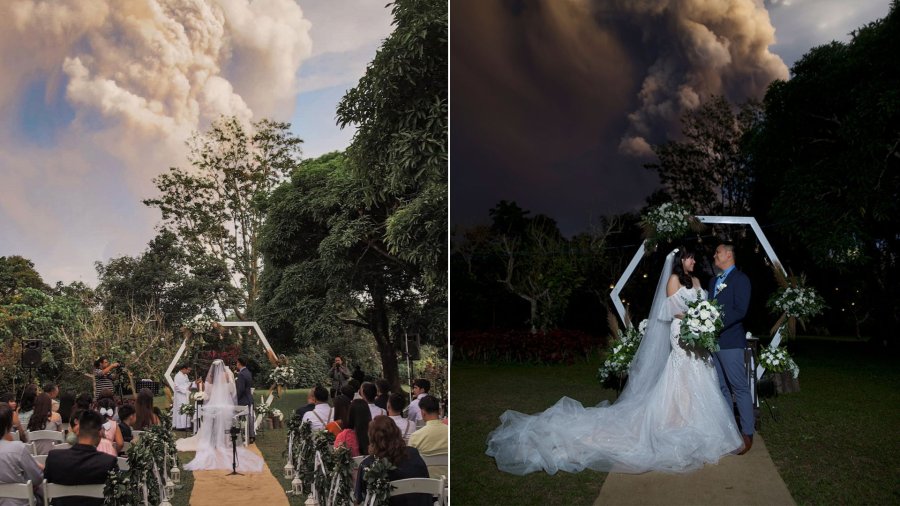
x=102, y=369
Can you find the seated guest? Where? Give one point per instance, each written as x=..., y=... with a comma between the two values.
x=53, y=391
x=143, y=407
x=341, y=415
x=66, y=404
x=83, y=402
x=355, y=384
x=16, y=462
x=384, y=390
x=310, y=404
x=126, y=421
x=26, y=404
x=10, y=400
x=369, y=391
x=433, y=438
x=44, y=419
x=420, y=389
x=321, y=413
x=385, y=442
x=356, y=435
x=111, y=440
x=82, y=464
x=349, y=392
x=395, y=412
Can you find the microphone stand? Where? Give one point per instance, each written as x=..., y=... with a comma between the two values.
x=234, y=432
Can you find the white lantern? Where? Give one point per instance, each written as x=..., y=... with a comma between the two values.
x=311, y=500
x=288, y=471
x=296, y=485
x=170, y=489
x=175, y=474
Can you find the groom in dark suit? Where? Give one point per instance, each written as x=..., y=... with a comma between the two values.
x=731, y=288
x=245, y=394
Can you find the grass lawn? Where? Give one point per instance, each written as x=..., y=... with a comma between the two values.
x=835, y=442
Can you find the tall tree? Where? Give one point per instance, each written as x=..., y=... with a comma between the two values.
x=827, y=160
x=399, y=151
x=325, y=267
x=16, y=273
x=707, y=169
x=217, y=209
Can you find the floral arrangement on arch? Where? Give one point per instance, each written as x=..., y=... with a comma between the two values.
x=621, y=350
x=668, y=222
x=795, y=301
x=701, y=324
x=778, y=360
x=284, y=375
x=200, y=323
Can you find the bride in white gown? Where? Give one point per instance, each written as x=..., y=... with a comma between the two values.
x=212, y=442
x=671, y=416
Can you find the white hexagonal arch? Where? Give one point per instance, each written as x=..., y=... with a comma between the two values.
x=719, y=220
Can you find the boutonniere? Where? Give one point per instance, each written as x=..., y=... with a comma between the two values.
x=722, y=287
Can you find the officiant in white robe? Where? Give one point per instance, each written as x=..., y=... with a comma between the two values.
x=182, y=396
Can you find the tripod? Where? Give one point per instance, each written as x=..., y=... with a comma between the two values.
x=233, y=431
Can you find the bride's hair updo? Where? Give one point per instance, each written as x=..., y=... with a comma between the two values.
x=683, y=277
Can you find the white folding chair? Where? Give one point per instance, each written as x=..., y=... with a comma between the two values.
x=61, y=446
x=123, y=464
x=39, y=435
x=54, y=490
x=357, y=461
x=18, y=491
x=441, y=459
x=40, y=459
x=30, y=446
x=136, y=434
x=433, y=486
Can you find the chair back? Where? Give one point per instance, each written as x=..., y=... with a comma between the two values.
x=441, y=459
x=40, y=459
x=136, y=434
x=53, y=435
x=18, y=491
x=30, y=446
x=54, y=490
x=123, y=463
x=61, y=446
x=433, y=486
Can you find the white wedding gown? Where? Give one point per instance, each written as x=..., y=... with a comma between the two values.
x=671, y=417
x=212, y=442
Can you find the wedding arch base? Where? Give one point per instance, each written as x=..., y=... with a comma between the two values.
x=241, y=411
x=717, y=220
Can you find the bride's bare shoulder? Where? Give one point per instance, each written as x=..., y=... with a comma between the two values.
x=673, y=286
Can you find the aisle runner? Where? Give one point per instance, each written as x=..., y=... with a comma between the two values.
x=214, y=488
x=736, y=479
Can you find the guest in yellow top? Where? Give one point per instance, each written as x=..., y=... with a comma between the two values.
x=433, y=438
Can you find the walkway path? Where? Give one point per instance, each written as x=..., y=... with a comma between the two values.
x=215, y=488
x=740, y=480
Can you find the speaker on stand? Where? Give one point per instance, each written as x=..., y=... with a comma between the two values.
x=32, y=351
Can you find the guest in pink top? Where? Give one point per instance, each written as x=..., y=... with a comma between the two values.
x=111, y=441
x=356, y=435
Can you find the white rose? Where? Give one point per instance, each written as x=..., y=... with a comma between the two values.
x=704, y=314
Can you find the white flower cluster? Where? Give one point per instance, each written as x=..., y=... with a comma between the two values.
x=701, y=324
x=669, y=221
x=621, y=352
x=284, y=375
x=198, y=396
x=799, y=302
x=276, y=413
x=263, y=410
x=200, y=323
x=778, y=360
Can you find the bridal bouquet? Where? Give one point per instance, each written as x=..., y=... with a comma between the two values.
x=778, y=360
x=284, y=375
x=701, y=324
x=198, y=396
x=621, y=352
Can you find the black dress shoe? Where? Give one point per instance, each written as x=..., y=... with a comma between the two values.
x=748, y=442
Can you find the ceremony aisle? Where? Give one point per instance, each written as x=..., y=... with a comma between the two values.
x=215, y=488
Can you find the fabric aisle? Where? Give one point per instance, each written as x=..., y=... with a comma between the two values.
x=215, y=488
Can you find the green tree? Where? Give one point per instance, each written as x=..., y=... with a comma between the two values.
x=827, y=161
x=399, y=151
x=217, y=209
x=325, y=268
x=707, y=170
x=16, y=273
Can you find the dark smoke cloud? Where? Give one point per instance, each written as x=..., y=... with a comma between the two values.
x=555, y=104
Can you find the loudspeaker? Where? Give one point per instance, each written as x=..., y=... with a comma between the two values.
x=413, y=343
x=31, y=352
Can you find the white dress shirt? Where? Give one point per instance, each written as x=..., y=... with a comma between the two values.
x=319, y=417
x=406, y=427
x=375, y=410
x=415, y=414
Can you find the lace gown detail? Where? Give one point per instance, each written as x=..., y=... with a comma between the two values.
x=676, y=421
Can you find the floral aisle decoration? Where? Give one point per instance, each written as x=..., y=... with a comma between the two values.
x=323, y=442
x=667, y=222
x=795, y=301
x=341, y=478
x=781, y=369
x=284, y=376
x=147, y=461
x=701, y=324
x=620, y=353
x=378, y=484
x=303, y=452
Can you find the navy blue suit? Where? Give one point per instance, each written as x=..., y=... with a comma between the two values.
x=244, y=381
x=729, y=360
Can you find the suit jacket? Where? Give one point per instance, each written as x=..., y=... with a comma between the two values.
x=80, y=465
x=244, y=381
x=735, y=300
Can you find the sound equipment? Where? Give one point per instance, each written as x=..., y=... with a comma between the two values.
x=31, y=352
x=414, y=348
x=153, y=386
